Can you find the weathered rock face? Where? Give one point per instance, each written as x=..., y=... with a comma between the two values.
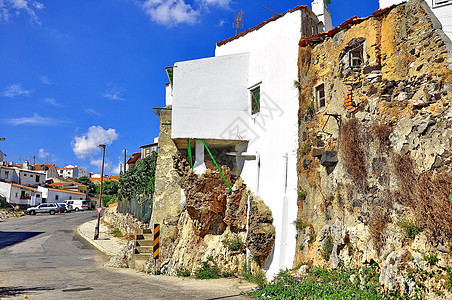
x=213, y=218
x=387, y=82
x=261, y=233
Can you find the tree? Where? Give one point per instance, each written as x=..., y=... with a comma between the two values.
x=93, y=190
x=139, y=180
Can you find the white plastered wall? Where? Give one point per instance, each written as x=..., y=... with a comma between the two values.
x=208, y=94
x=274, y=131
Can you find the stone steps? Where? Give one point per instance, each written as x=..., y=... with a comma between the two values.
x=144, y=247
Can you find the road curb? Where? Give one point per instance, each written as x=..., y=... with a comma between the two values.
x=91, y=241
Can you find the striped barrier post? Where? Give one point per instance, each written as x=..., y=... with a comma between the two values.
x=156, y=240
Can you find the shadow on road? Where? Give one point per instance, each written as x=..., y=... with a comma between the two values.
x=8, y=238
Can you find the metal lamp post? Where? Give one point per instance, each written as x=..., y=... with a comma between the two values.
x=96, y=231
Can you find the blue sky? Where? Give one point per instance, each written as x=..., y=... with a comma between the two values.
x=78, y=73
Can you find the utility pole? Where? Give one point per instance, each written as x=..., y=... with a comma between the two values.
x=34, y=160
x=125, y=156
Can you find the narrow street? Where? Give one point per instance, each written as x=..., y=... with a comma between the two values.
x=44, y=258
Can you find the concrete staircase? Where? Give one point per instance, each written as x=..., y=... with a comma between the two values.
x=144, y=245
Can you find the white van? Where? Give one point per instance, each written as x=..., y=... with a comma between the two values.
x=77, y=204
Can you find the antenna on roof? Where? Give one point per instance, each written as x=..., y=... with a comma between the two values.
x=269, y=10
x=238, y=20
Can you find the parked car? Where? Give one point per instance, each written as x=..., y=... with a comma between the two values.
x=65, y=207
x=50, y=208
x=77, y=204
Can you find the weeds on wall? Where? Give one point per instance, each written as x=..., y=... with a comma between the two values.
x=327, y=248
x=352, y=147
x=410, y=228
x=382, y=132
x=377, y=225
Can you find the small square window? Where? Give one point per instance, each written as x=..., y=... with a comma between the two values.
x=320, y=91
x=356, y=56
x=255, y=100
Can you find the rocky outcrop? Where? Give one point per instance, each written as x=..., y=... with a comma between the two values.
x=126, y=223
x=261, y=233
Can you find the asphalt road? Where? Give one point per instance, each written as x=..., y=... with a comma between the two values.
x=43, y=257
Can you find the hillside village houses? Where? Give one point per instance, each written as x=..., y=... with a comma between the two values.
x=29, y=185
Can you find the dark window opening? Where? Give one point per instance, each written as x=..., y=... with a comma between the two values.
x=356, y=56
x=255, y=100
x=320, y=91
x=56, y=197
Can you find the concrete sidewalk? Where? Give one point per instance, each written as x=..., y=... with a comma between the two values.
x=107, y=243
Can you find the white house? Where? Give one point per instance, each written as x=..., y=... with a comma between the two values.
x=245, y=98
x=21, y=195
x=72, y=172
x=441, y=8
x=22, y=176
x=50, y=195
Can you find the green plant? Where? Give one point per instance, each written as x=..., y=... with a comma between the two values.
x=410, y=228
x=117, y=233
x=300, y=224
x=258, y=277
x=236, y=244
x=208, y=270
x=306, y=147
x=339, y=198
x=328, y=217
x=183, y=272
x=302, y=195
x=431, y=258
x=301, y=247
x=327, y=248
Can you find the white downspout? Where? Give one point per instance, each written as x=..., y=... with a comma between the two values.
x=258, y=167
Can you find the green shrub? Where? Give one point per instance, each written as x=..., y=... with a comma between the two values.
x=410, y=228
x=309, y=107
x=208, y=270
x=117, y=233
x=182, y=272
x=236, y=244
x=258, y=277
x=327, y=248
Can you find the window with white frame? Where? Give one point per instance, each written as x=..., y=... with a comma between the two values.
x=320, y=95
x=441, y=2
x=356, y=56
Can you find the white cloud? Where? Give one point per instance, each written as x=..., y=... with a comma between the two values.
x=88, y=143
x=35, y=120
x=171, y=12
x=92, y=112
x=52, y=101
x=221, y=22
x=114, y=94
x=42, y=153
x=46, y=80
x=16, y=7
x=109, y=167
x=15, y=90
x=221, y=3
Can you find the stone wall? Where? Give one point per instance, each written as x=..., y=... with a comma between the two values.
x=375, y=161
x=128, y=224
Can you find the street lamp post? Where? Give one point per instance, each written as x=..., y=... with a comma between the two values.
x=96, y=231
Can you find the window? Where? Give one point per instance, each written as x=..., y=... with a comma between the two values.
x=38, y=196
x=255, y=100
x=31, y=175
x=56, y=197
x=70, y=197
x=25, y=175
x=356, y=56
x=22, y=195
x=6, y=175
x=320, y=93
x=37, y=178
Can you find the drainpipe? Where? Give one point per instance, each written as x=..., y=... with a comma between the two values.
x=286, y=167
x=258, y=167
x=258, y=164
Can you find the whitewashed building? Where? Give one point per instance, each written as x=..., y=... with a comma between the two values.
x=441, y=8
x=22, y=176
x=72, y=172
x=16, y=194
x=244, y=98
x=50, y=195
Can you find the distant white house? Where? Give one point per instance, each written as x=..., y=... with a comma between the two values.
x=50, y=195
x=21, y=195
x=22, y=176
x=72, y=172
x=441, y=8
x=244, y=98
x=146, y=150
